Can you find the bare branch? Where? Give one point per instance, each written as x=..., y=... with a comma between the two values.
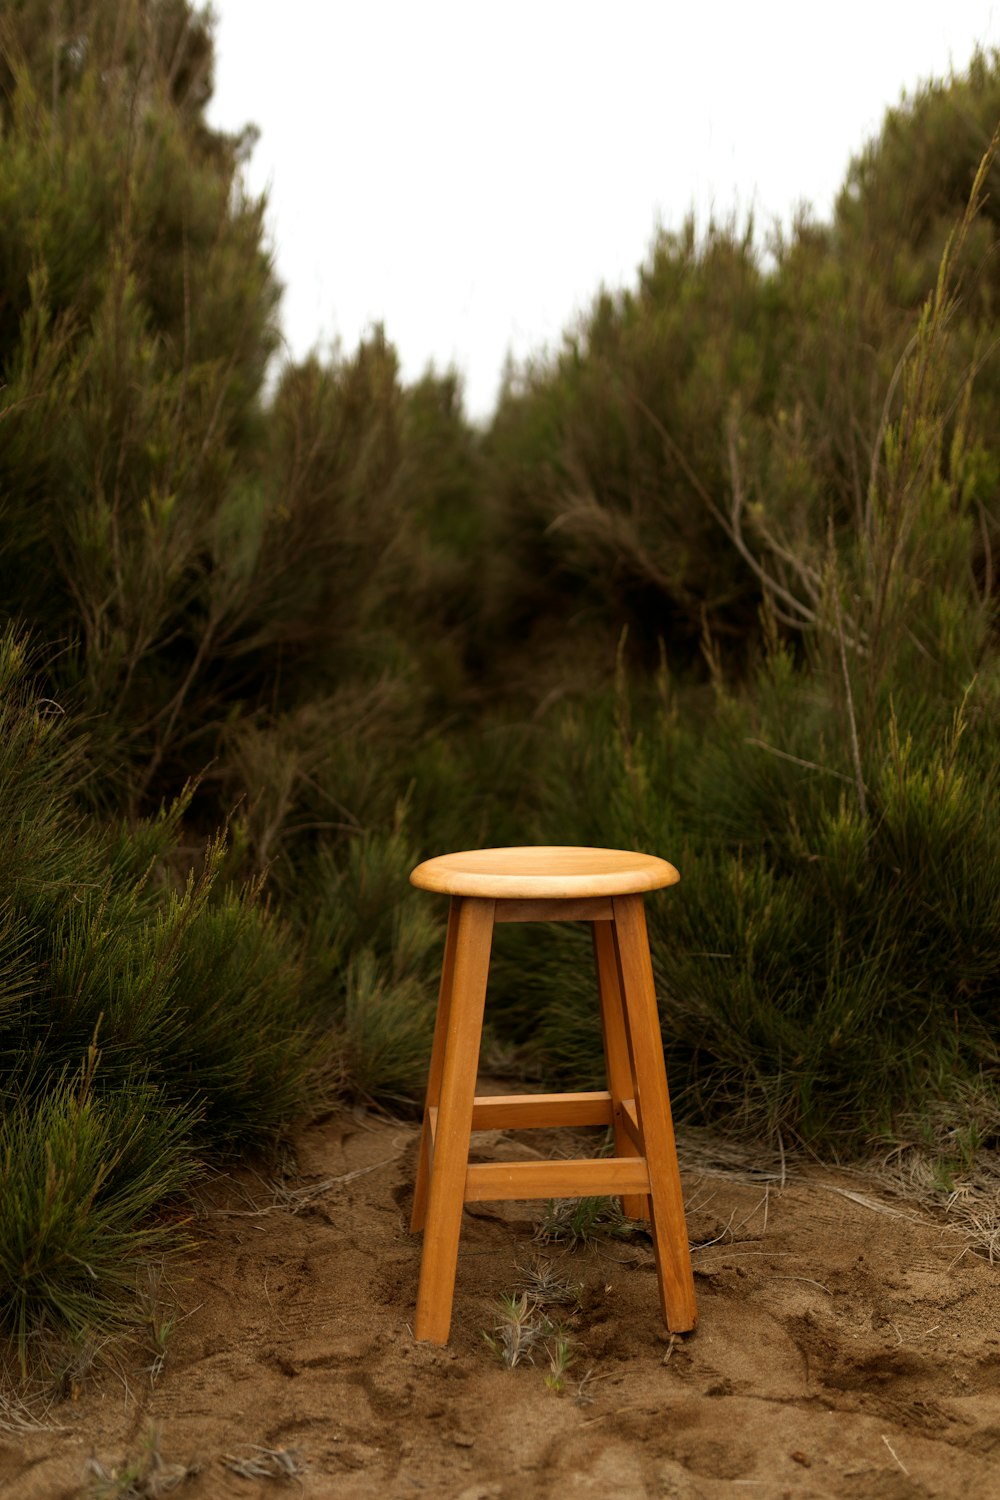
x=796, y=760
x=852, y=718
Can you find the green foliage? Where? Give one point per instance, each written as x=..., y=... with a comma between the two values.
x=98, y=941
x=374, y=947
x=135, y=327
x=690, y=448
x=823, y=971
x=577, y=1221
x=906, y=190
x=196, y=572
x=143, y=1024
x=384, y=1033
x=82, y=1174
x=825, y=432
x=524, y=1329
x=600, y=457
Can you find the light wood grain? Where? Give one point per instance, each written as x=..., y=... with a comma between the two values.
x=617, y=1055
x=670, y=1241
x=540, y=1111
x=630, y=1120
x=568, y=909
x=548, y=884
x=463, y=1033
x=541, y=870
x=419, y=1211
x=498, y=1180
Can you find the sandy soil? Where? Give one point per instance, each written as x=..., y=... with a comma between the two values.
x=848, y=1347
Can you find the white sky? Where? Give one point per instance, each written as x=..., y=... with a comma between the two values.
x=470, y=172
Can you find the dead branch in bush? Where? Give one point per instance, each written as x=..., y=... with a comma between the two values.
x=809, y=578
x=852, y=717
x=797, y=760
x=731, y=524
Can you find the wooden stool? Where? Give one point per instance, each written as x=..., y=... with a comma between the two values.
x=603, y=887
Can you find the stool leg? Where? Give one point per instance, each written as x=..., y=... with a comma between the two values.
x=459, y=1064
x=618, y=1062
x=433, y=1096
x=670, y=1241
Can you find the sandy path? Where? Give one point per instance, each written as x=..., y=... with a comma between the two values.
x=842, y=1352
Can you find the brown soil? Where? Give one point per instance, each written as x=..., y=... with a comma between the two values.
x=848, y=1347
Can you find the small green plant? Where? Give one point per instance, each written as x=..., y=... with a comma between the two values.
x=518, y=1329
x=524, y=1329
x=561, y=1357
x=577, y=1221
x=547, y=1287
x=160, y=1322
x=147, y=1476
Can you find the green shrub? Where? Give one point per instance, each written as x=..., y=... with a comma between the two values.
x=823, y=974
x=144, y=1025
x=83, y=1173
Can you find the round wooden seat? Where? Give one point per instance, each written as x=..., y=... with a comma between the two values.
x=544, y=872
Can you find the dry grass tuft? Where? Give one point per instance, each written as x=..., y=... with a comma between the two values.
x=146, y=1477
x=267, y=1463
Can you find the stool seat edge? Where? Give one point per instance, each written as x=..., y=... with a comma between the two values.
x=556, y=872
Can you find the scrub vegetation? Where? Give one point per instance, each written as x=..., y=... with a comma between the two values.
x=719, y=580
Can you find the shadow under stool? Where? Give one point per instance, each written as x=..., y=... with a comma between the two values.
x=604, y=887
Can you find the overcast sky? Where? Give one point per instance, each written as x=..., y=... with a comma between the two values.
x=470, y=172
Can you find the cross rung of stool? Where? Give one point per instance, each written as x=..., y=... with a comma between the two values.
x=604, y=887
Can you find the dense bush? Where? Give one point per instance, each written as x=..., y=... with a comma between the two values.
x=221, y=604
x=833, y=958
x=599, y=460
x=729, y=409
x=146, y=1020
x=193, y=567
x=825, y=971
